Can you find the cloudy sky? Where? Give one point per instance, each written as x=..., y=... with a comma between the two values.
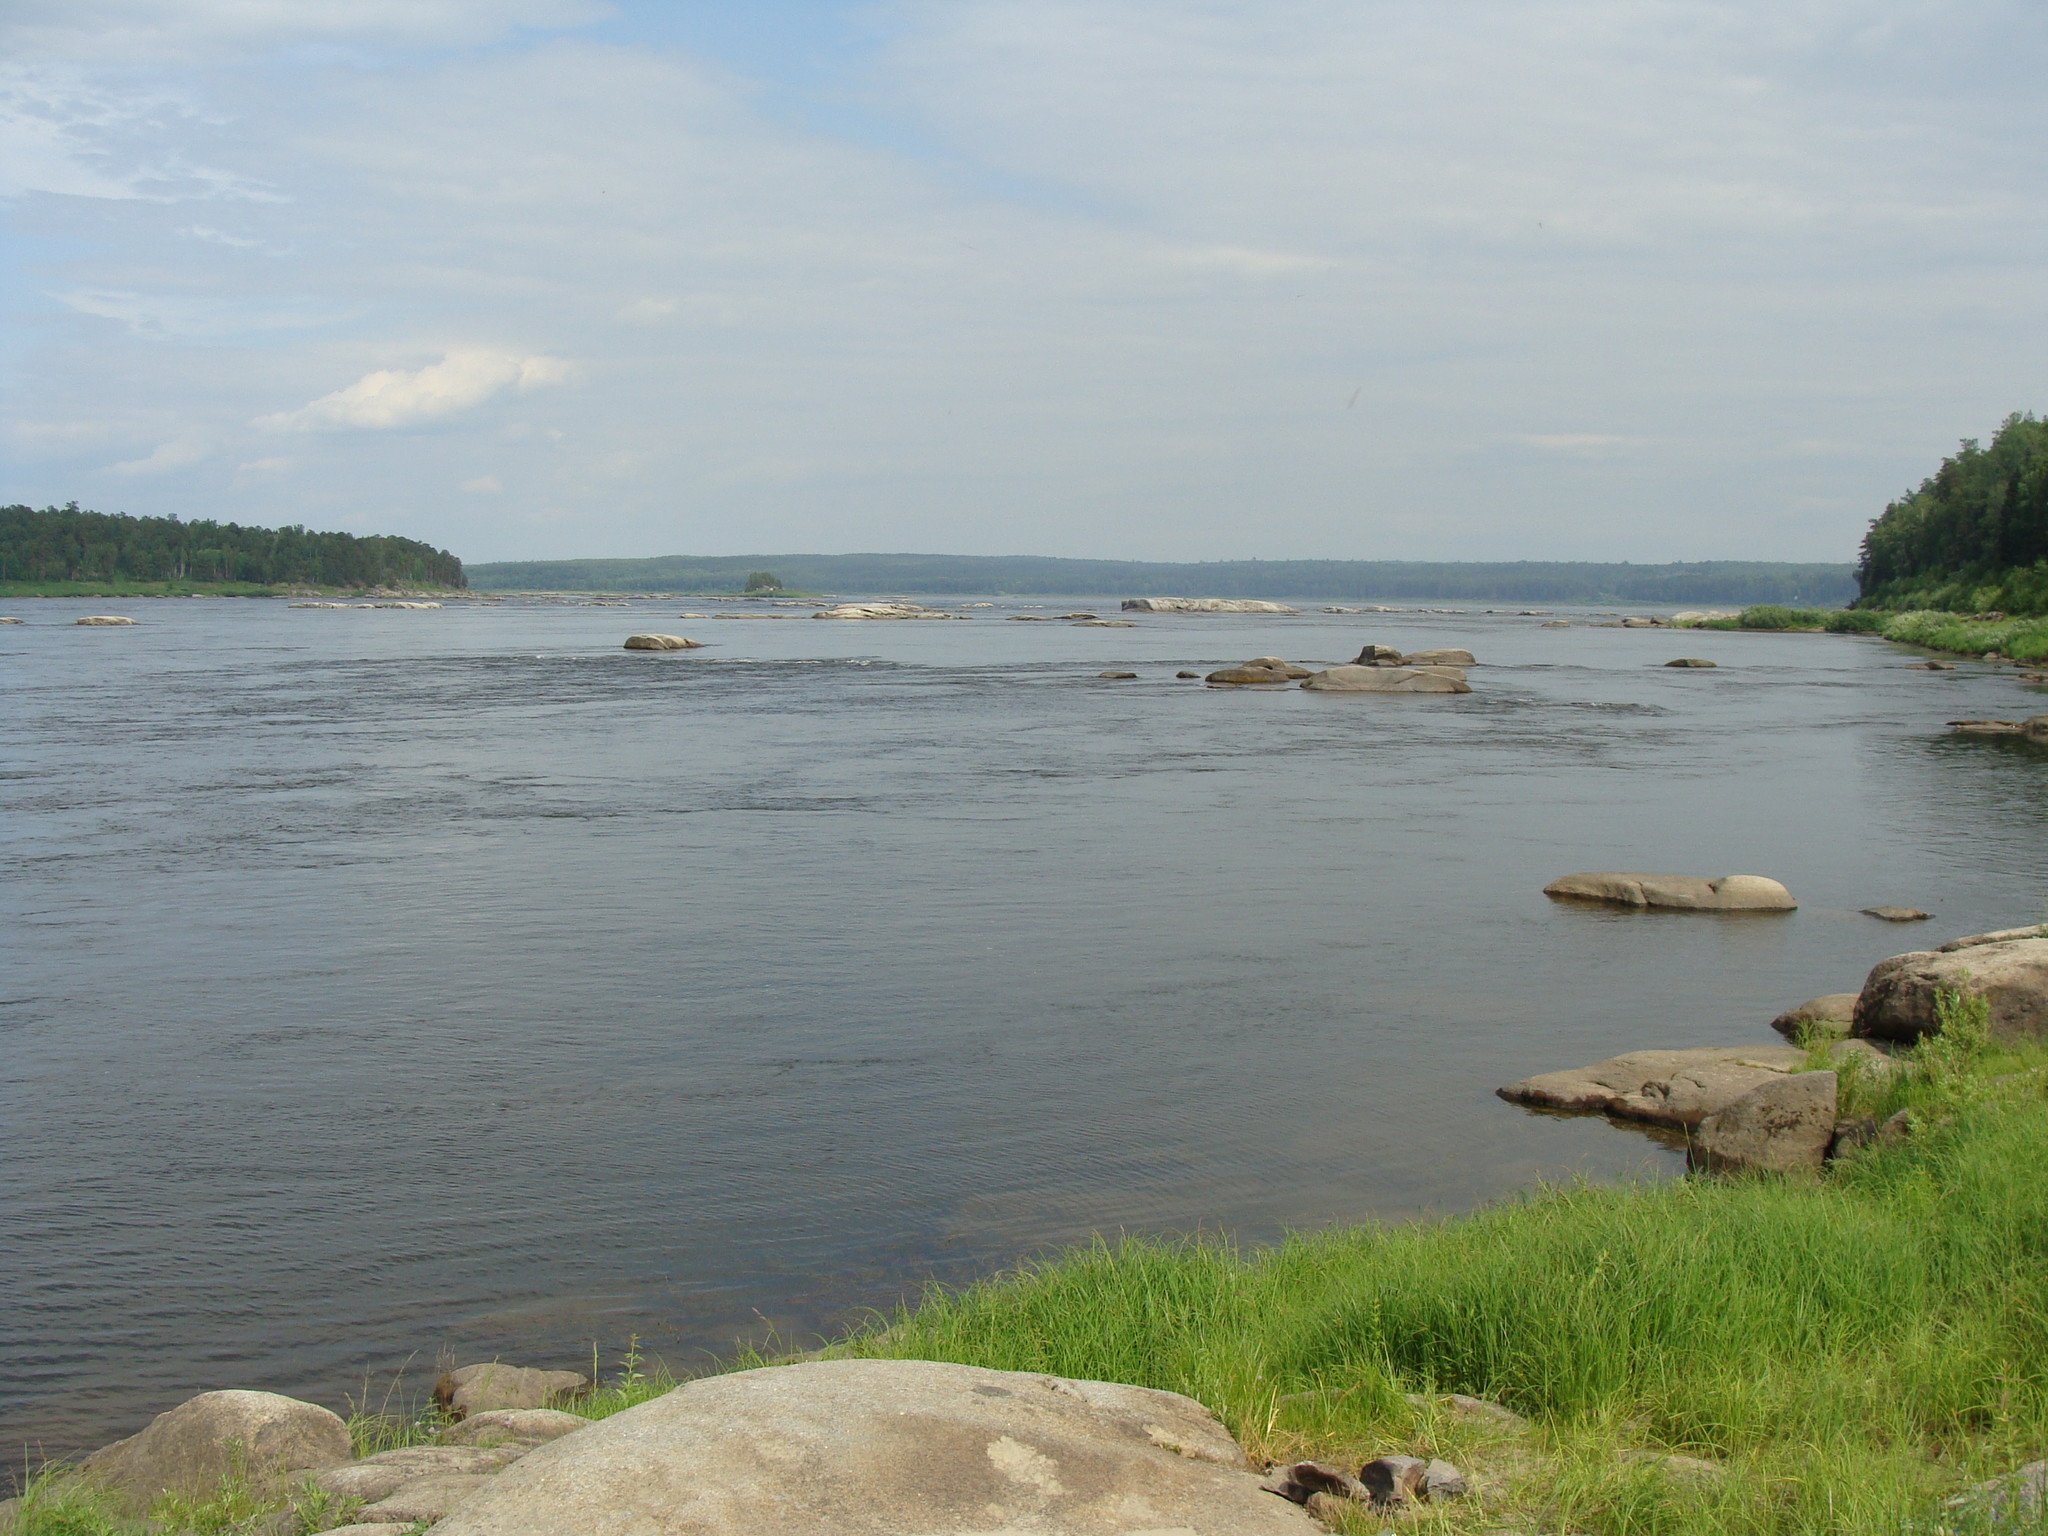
x=1430, y=279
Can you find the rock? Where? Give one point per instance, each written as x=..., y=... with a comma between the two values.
x=1640, y=621
x=1681, y=893
x=2009, y=970
x=2032, y=729
x=1858, y=1055
x=1453, y=657
x=1898, y=914
x=520, y=1425
x=1259, y=670
x=1184, y=673
x=1442, y=1482
x=1669, y=1088
x=103, y=621
x=192, y=1447
x=1391, y=1481
x=1830, y=1015
x=418, y=606
x=9, y=620
x=1690, y=661
x=1028, y=618
x=660, y=643
x=479, y=1388
x=1357, y=679
x=887, y=1448
x=1693, y=616
x=1301, y=1481
x=1555, y=624
x=1473, y=1410
x=2014, y=1502
x=1106, y=624
x=1202, y=605
x=1783, y=1126
x=431, y=1498
x=1935, y=666
x=1117, y=676
x=1377, y=656
x=1080, y=615
x=379, y=1476
x=1684, y=1469
x=883, y=611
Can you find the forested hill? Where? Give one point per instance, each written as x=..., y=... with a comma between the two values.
x=1974, y=536
x=1711, y=581
x=65, y=544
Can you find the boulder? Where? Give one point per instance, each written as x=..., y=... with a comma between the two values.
x=379, y=1476
x=1781, y=1126
x=260, y=1435
x=1898, y=914
x=1678, y=893
x=2034, y=728
x=660, y=643
x=482, y=1387
x=103, y=621
x=1259, y=670
x=1080, y=615
x=1106, y=624
x=8, y=619
x=1184, y=673
x=426, y=1500
x=883, y=611
x=1117, y=676
x=1452, y=657
x=887, y=1448
x=1641, y=621
x=1690, y=661
x=2009, y=969
x=1935, y=666
x=496, y=1426
x=1377, y=656
x=1830, y=1015
x=1202, y=605
x=1357, y=679
x=1676, y=1089
x=1555, y=624
x=1477, y=1411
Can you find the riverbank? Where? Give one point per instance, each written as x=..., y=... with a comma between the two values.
x=21, y=589
x=2022, y=639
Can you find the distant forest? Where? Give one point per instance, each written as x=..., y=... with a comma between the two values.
x=1974, y=536
x=1710, y=581
x=66, y=544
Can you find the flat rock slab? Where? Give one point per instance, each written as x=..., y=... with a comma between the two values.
x=1675, y=893
x=430, y=1498
x=517, y=1425
x=380, y=1476
x=660, y=643
x=1374, y=679
x=1898, y=914
x=1676, y=1089
x=1203, y=605
x=201, y=1441
x=2009, y=969
x=888, y=1448
x=1784, y=1126
x=1829, y=1015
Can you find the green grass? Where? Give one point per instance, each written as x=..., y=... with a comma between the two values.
x=2023, y=639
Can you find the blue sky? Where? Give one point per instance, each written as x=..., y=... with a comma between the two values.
x=1431, y=279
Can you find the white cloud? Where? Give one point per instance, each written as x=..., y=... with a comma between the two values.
x=390, y=397
x=178, y=453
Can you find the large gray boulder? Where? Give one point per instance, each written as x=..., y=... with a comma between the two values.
x=103, y=621
x=888, y=1448
x=1258, y=671
x=1454, y=656
x=660, y=643
x=1677, y=893
x=1357, y=679
x=490, y=1385
x=191, y=1448
x=1203, y=605
x=2009, y=969
x=1675, y=1089
x=1829, y=1015
x=1782, y=1126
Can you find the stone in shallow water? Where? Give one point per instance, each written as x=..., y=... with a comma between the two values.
x=489, y=1384
x=1680, y=893
x=1829, y=1015
x=1676, y=1089
x=1898, y=914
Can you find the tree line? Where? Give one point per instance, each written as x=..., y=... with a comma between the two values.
x=1974, y=536
x=68, y=543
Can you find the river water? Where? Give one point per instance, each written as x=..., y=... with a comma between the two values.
x=386, y=985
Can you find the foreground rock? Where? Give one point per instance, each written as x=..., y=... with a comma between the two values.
x=190, y=1449
x=1202, y=605
x=1677, y=893
x=491, y=1386
x=1357, y=679
x=2009, y=969
x=1830, y=1015
x=887, y=1448
x=1260, y=671
x=103, y=621
x=1388, y=656
x=1675, y=1089
x=660, y=643
x=1782, y=1126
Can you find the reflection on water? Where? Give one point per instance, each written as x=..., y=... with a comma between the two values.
x=385, y=982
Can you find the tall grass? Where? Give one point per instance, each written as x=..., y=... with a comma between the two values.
x=2023, y=639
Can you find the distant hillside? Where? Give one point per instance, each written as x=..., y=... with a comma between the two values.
x=1708, y=581
x=71, y=548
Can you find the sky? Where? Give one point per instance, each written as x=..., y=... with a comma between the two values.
x=1143, y=279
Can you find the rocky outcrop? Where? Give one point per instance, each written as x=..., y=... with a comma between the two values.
x=1377, y=656
x=1677, y=893
x=883, y=611
x=1260, y=670
x=490, y=1385
x=1695, y=662
x=660, y=643
x=1782, y=1126
x=1830, y=1015
x=2008, y=969
x=190, y=1449
x=1357, y=679
x=502, y=1426
x=103, y=621
x=1203, y=605
x=1674, y=1089
x=1116, y=677
x=1451, y=656
x=888, y=1448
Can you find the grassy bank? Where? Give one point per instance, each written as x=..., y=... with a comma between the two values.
x=1835, y=1356
x=2023, y=639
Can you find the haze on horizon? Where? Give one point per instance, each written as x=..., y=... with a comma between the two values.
x=1400, y=279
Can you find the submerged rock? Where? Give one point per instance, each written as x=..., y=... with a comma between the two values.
x=1829, y=1015
x=1452, y=656
x=887, y=1448
x=883, y=611
x=103, y=621
x=1676, y=1089
x=1122, y=677
x=1782, y=1126
x=661, y=643
x=1678, y=893
x=189, y=1450
x=1260, y=670
x=1184, y=673
x=492, y=1385
x=1203, y=605
x=1691, y=661
x=2008, y=969
x=1898, y=914
x=1375, y=679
